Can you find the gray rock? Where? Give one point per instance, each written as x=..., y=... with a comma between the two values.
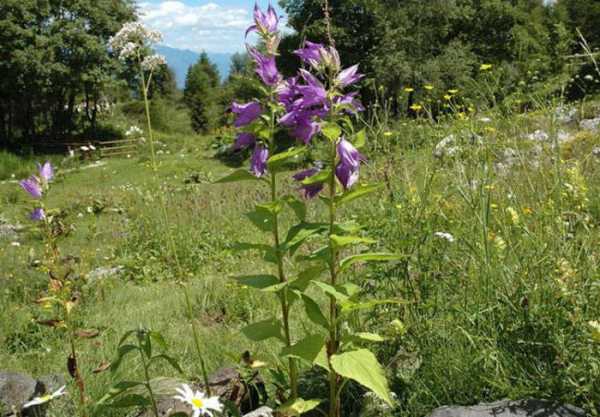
x=9, y=231
x=104, y=272
x=590, y=124
x=521, y=408
x=51, y=383
x=15, y=390
x=261, y=412
x=565, y=114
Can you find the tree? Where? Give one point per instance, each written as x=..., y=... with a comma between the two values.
x=200, y=93
x=54, y=55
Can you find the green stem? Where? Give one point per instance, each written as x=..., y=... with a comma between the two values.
x=170, y=238
x=285, y=305
x=334, y=402
x=148, y=386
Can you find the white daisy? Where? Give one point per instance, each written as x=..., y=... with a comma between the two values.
x=201, y=404
x=444, y=235
x=46, y=398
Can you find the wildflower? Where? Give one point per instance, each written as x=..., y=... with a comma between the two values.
x=513, y=215
x=201, y=404
x=311, y=53
x=347, y=170
x=152, y=62
x=131, y=38
x=46, y=398
x=38, y=214
x=485, y=67
x=444, y=235
x=349, y=76
x=447, y=97
x=258, y=163
x=416, y=107
x=32, y=186
x=266, y=68
x=264, y=23
x=453, y=91
x=133, y=130
x=428, y=87
x=46, y=172
x=244, y=140
x=527, y=210
x=595, y=329
x=309, y=190
x=387, y=134
x=408, y=89
x=246, y=113
x=305, y=129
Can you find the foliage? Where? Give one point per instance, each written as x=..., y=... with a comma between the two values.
x=200, y=93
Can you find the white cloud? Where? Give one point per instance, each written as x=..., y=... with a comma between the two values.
x=208, y=27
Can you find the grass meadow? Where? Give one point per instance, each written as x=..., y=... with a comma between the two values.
x=498, y=228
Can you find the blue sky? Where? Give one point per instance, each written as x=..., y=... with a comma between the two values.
x=209, y=25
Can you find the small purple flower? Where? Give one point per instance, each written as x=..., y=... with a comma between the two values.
x=265, y=23
x=246, y=113
x=305, y=129
x=258, y=163
x=349, y=76
x=37, y=214
x=350, y=100
x=311, y=53
x=32, y=186
x=243, y=141
x=314, y=92
x=347, y=170
x=266, y=68
x=310, y=190
x=46, y=171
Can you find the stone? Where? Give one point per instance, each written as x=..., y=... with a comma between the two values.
x=51, y=383
x=261, y=412
x=565, y=114
x=9, y=231
x=15, y=390
x=104, y=272
x=590, y=124
x=506, y=408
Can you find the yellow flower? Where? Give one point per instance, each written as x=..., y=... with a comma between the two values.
x=416, y=107
x=527, y=210
x=494, y=206
x=409, y=89
x=461, y=115
x=453, y=91
x=387, y=134
x=428, y=87
x=513, y=215
x=485, y=67
x=447, y=97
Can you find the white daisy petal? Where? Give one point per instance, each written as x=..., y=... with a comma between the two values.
x=196, y=413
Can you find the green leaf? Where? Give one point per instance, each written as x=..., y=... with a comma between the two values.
x=307, y=348
x=362, y=366
x=276, y=161
x=297, y=205
x=262, y=219
x=320, y=177
x=263, y=330
x=121, y=353
x=158, y=339
x=314, y=313
x=238, y=175
x=172, y=361
x=332, y=291
x=342, y=241
x=364, y=336
x=125, y=336
x=357, y=192
x=331, y=131
x=257, y=281
x=117, y=389
x=299, y=233
x=298, y=407
x=305, y=277
x=321, y=254
x=369, y=257
x=360, y=140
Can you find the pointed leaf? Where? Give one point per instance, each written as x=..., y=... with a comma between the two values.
x=342, y=241
x=263, y=330
x=257, y=281
x=307, y=348
x=331, y=131
x=369, y=257
x=298, y=407
x=276, y=161
x=314, y=313
x=357, y=192
x=362, y=366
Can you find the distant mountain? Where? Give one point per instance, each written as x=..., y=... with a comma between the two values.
x=179, y=60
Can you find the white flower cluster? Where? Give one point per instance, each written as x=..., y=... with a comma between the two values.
x=134, y=131
x=152, y=62
x=131, y=37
